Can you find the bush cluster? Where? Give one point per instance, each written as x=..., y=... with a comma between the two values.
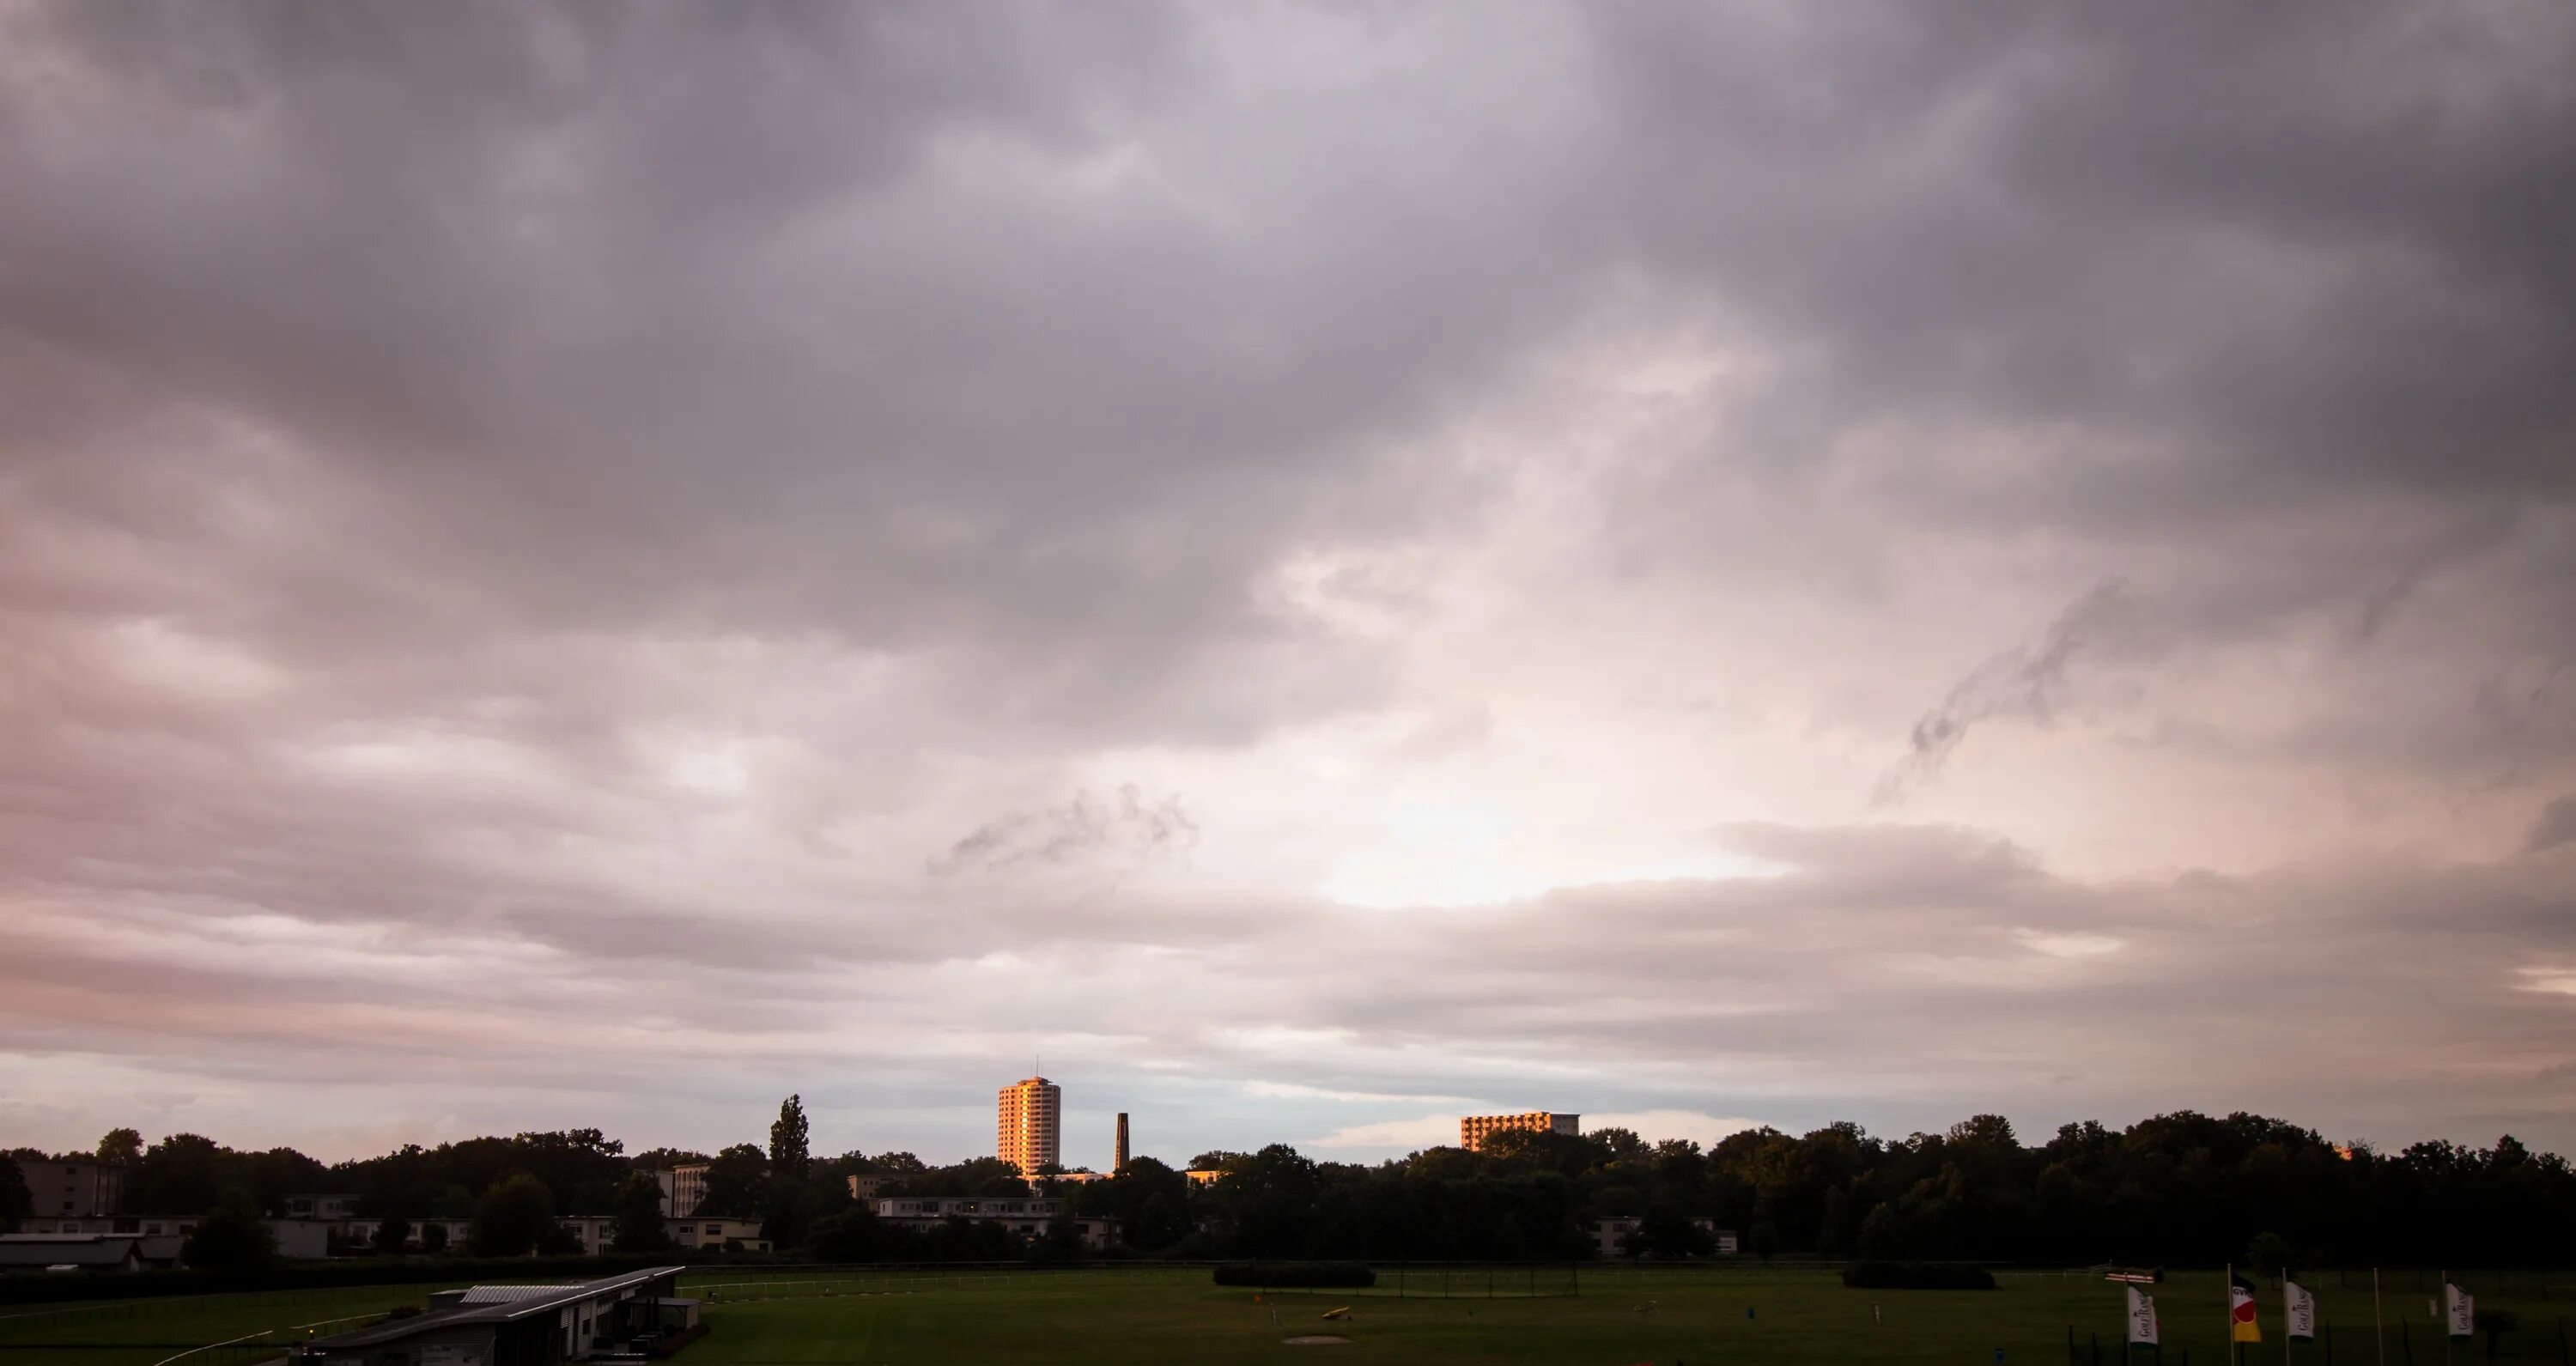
x=1295, y=1275
x=1917, y=1276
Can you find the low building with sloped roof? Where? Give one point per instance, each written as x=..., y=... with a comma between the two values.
x=515, y=1325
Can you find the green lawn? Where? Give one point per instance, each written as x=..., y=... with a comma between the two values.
x=1178, y=1316
x=154, y=1330
x=791, y=1318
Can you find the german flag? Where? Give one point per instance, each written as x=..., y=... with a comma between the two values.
x=2241, y=1326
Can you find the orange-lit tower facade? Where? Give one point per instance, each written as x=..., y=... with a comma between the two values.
x=1030, y=1131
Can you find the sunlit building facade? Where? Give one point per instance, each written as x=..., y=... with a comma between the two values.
x=1473, y=1130
x=1030, y=1132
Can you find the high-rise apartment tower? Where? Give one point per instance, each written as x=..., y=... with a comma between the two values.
x=1118, y=1160
x=1030, y=1134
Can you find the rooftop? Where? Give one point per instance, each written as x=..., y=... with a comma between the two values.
x=501, y=1306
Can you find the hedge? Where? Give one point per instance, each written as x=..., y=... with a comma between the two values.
x=1917, y=1276
x=1295, y=1275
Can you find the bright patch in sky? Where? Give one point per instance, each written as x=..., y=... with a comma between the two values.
x=1441, y=855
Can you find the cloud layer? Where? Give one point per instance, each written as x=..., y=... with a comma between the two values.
x=591, y=565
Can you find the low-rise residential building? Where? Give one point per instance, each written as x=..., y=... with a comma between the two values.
x=1200, y=1176
x=1611, y=1234
x=322, y=1206
x=295, y=1237
x=716, y=1233
x=78, y=1187
x=1027, y=1216
x=865, y=1185
x=140, y=1225
x=357, y=1234
x=517, y=1325
x=1473, y=1130
x=39, y=1253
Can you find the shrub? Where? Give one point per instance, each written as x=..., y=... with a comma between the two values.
x=1917, y=1276
x=667, y=1344
x=231, y=1239
x=1295, y=1275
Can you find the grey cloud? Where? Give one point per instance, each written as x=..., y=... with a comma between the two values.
x=592, y=478
x=2556, y=826
x=1083, y=829
x=2026, y=682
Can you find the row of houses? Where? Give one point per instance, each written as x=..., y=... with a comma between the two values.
x=322, y=1226
x=157, y=1239
x=1611, y=1235
x=1027, y=1216
x=295, y=1237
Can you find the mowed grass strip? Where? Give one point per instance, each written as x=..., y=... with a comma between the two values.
x=1156, y=1315
x=1797, y=1317
x=157, y=1327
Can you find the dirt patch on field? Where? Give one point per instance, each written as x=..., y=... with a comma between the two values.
x=1316, y=1340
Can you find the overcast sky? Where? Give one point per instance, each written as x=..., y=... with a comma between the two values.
x=1307, y=569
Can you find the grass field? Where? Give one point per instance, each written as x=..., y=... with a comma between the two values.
x=1699, y=1316
x=144, y=1332
x=1128, y=1315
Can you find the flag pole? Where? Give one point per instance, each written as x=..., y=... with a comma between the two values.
x=2235, y=1349
x=2378, y=1330
x=2446, y=1316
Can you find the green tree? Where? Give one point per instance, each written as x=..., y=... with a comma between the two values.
x=233, y=1238
x=786, y=1206
x=1621, y=1145
x=639, y=1216
x=789, y=1154
x=735, y=1181
x=16, y=1201
x=124, y=1147
x=512, y=1217
x=433, y=1238
x=2268, y=1254
x=853, y=1235
x=1669, y=1235
x=393, y=1234
x=181, y=1174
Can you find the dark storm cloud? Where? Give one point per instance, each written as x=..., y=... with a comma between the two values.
x=2556, y=826
x=512, y=512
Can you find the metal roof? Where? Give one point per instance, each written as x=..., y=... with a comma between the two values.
x=546, y=1299
x=62, y=1252
x=509, y=1294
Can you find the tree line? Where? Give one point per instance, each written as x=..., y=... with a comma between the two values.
x=2181, y=1188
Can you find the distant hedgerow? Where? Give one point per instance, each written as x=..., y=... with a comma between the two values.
x=1917, y=1276
x=1295, y=1275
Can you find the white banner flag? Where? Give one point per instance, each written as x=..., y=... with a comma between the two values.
x=2142, y=1318
x=2300, y=1308
x=2463, y=1310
